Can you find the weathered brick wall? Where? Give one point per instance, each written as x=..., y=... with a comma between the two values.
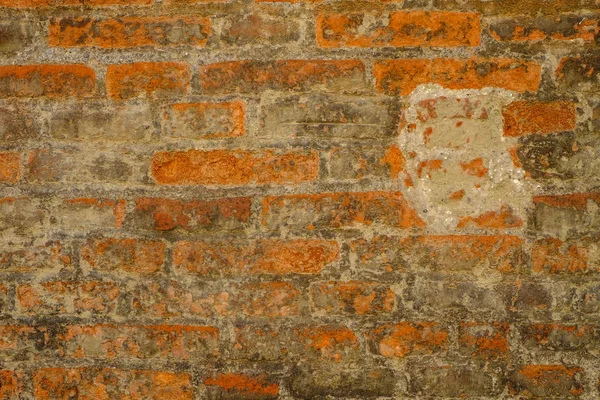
x=299, y=199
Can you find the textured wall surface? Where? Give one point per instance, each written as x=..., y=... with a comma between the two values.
x=299, y=199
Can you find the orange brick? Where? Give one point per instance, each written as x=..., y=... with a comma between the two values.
x=175, y=342
x=526, y=118
x=475, y=167
x=401, y=29
x=548, y=381
x=401, y=77
x=555, y=256
x=205, y=120
x=10, y=167
x=54, y=81
x=560, y=27
x=234, y=167
x=129, y=32
x=337, y=210
x=577, y=201
x=167, y=214
x=11, y=384
x=300, y=256
x=124, y=255
x=269, y=299
x=484, y=340
x=51, y=256
x=243, y=386
x=87, y=213
x=329, y=342
x=353, y=297
x=408, y=338
x=502, y=219
x=146, y=79
x=110, y=383
x=257, y=76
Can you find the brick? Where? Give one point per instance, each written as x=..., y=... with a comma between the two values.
x=578, y=71
x=111, y=383
x=53, y=81
x=339, y=210
x=260, y=28
x=325, y=343
x=451, y=253
x=101, y=121
x=587, y=299
x=408, y=338
x=83, y=214
x=484, y=340
x=504, y=218
x=528, y=7
x=11, y=384
x=459, y=381
x=21, y=217
x=67, y=297
x=320, y=115
x=401, y=29
x=364, y=383
x=299, y=256
x=51, y=256
x=263, y=342
x=565, y=215
x=269, y=299
x=168, y=214
x=147, y=79
x=128, y=32
x=17, y=124
x=525, y=118
x=16, y=36
x=559, y=337
x=235, y=167
x=157, y=342
x=298, y=75
x=555, y=256
x=10, y=167
x=241, y=386
x=353, y=298
x=548, y=381
x=58, y=3
x=359, y=162
x=123, y=255
x=561, y=27
x=401, y=77
x=205, y=120
x=20, y=342
x=436, y=297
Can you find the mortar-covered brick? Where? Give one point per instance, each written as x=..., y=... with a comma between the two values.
x=299, y=199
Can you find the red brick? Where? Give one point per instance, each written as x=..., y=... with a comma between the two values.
x=337, y=210
x=300, y=256
x=450, y=253
x=20, y=342
x=401, y=77
x=502, y=219
x=87, y=213
x=526, y=118
x=129, y=32
x=234, y=167
x=329, y=342
x=173, y=342
x=54, y=81
x=353, y=297
x=559, y=381
x=11, y=384
x=168, y=214
x=110, y=383
x=205, y=120
x=257, y=76
x=67, y=297
x=401, y=29
x=10, y=167
x=269, y=299
x=242, y=386
x=51, y=256
x=484, y=340
x=555, y=256
x=408, y=338
x=147, y=79
x=124, y=255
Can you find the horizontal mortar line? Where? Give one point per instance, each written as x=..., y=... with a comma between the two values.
x=327, y=123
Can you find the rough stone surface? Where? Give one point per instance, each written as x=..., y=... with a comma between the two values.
x=299, y=199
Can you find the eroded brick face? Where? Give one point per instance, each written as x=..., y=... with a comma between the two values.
x=299, y=199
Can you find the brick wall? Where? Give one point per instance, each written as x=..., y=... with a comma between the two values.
x=299, y=199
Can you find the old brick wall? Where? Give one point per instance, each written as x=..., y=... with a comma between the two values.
x=240, y=199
